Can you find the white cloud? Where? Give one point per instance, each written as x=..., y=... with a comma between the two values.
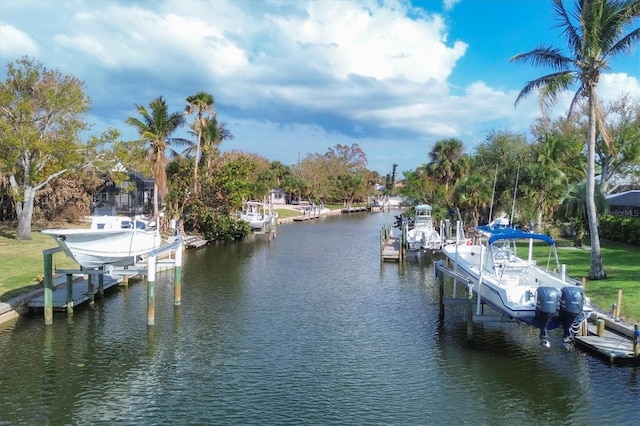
x=16, y=43
x=449, y=4
x=612, y=85
x=287, y=76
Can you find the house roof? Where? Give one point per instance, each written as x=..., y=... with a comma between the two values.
x=627, y=199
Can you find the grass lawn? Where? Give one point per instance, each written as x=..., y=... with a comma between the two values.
x=22, y=262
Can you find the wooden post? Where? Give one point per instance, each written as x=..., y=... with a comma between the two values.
x=69, y=293
x=90, y=291
x=125, y=278
x=600, y=327
x=636, y=340
x=151, y=281
x=177, y=283
x=469, y=310
x=101, y=283
x=440, y=278
x=618, y=305
x=48, y=287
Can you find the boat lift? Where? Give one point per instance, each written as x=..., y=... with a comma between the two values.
x=147, y=267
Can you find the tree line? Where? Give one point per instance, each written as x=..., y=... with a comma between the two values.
x=47, y=170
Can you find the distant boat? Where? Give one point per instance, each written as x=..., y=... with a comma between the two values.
x=111, y=240
x=423, y=235
x=519, y=288
x=257, y=214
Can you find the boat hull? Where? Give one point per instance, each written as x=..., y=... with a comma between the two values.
x=93, y=248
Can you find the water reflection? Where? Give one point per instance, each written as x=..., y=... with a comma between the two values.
x=310, y=328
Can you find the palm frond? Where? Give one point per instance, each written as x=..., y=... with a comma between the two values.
x=602, y=126
x=569, y=30
x=544, y=56
x=549, y=87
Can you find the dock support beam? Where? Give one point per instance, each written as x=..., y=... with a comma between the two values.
x=70, y=293
x=469, y=311
x=440, y=278
x=177, y=284
x=151, y=283
x=101, y=283
x=48, y=287
x=91, y=292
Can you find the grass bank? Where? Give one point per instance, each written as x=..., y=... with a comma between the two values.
x=21, y=265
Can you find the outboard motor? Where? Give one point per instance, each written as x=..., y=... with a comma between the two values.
x=571, y=304
x=546, y=308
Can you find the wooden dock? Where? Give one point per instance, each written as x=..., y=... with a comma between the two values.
x=80, y=291
x=391, y=249
x=611, y=340
x=355, y=209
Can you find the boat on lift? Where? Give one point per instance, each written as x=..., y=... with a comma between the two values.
x=257, y=214
x=110, y=240
x=519, y=288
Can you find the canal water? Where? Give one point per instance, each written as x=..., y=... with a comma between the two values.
x=308, y=329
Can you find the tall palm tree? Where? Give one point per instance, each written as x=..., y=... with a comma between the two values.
x=201, y=103
x=156, y=127
x=595, y=34
x=213, y=134
x=447, y=161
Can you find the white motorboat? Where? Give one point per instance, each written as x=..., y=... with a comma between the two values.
x=111, y=240
x=519, y=288
x=257, y=214
x=423, y=235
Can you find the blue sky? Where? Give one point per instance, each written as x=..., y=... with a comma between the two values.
x=296, y=77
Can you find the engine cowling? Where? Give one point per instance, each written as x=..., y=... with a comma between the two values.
x=547, y=299
x=571, y=305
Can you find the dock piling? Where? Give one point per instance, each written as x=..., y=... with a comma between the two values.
x=48, y=287
x=70, y=293
x=177, y=282
x=151, y=284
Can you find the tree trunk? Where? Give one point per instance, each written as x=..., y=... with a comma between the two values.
x=597, y=269
x=195, y=163
x=155, y=198
x=24, y=212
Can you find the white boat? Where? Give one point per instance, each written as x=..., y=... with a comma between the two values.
x=111, y=240
x=257, y=214
x=423, y=235
x=519, y=288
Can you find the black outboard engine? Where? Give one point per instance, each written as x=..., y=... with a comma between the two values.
x=571, y=304
x=546, y=307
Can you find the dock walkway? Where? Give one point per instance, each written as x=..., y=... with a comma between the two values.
x=614, y=341
x=79, y=294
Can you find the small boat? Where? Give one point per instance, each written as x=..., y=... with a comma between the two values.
x=519, y=288
x=111, y=240
x=257, y=214
x=423, y=235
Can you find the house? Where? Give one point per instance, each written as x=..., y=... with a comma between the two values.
x=625, y=204
x=277, y=197
x=132, y=196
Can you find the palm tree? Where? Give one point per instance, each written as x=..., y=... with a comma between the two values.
x=474, y=194
x=595, y=34
x=447, y=161
x=201, y=103
x=213, y=134
x=156, y=127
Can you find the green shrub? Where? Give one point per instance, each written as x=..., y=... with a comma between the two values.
x=622, y=229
